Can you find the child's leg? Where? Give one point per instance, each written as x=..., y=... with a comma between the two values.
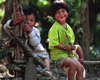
x=80, y=54
x=47, y=62
x=72, y=68
x=80, y=69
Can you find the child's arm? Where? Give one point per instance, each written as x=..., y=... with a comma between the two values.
x=80, y=54
x=81, y=60
x=34, y=38
x=11, y=23
x=64, y=47
x=18, y=20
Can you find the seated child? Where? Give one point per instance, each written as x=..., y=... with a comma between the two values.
x=76, y=57
x=34, y=34
x=61, y=42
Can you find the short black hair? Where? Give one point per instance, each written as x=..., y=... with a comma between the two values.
x=29, y=11
x=56, y=5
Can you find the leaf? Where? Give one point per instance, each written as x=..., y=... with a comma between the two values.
x=39, y=4
x=45, y=2
x=1, y=14
x=50, y=19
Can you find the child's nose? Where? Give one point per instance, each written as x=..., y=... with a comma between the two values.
x=61, y=13
x=28, y=21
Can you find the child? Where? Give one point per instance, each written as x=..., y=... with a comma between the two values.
x=34, y=34
x=61, y=42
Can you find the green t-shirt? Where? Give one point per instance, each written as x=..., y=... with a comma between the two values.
x=60, y=35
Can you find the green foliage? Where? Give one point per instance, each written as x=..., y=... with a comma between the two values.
x=45, y=2
x=39, y=4
x=96, y=38
x=1, y=1
x=95, y=52
x=74, y=4
x=84, y=5
x=1, y=13
x=50, y=19
x=1, y=9
x=93, y=1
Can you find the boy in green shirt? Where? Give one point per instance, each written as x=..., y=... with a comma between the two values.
x=61, y=42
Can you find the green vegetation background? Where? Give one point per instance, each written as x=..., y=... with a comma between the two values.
x=74, y=19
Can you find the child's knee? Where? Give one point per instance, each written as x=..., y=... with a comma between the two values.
x=73, y=65
x=81, y=68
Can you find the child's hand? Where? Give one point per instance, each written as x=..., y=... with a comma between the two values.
x=27, y=28
x=72, y=46
x=81, y=60
x=20, y=18
x=68, y=48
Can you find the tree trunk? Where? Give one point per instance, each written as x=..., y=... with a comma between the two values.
x=86, y=31
x=18, y=51
x=7, y=15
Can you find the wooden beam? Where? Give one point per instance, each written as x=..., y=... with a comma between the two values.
x=91, y=62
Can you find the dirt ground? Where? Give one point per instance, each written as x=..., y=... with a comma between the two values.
x=92, y=72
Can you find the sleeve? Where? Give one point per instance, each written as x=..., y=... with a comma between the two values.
x=7, y=27
x=34, y=38
x=72, y=40
x=53, y=36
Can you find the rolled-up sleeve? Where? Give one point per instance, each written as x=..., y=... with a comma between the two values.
x=53, y=37
x=7, y=27
x=34, y=39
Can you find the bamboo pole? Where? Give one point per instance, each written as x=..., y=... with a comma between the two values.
x=91, y=62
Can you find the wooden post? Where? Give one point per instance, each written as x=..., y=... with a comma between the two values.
x=30, y=70
x=18, y=51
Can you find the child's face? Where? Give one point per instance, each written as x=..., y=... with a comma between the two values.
x=61, y=15
x=30, y=20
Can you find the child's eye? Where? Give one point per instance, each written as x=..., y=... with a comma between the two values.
x=32, y=20
x=63, y=10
